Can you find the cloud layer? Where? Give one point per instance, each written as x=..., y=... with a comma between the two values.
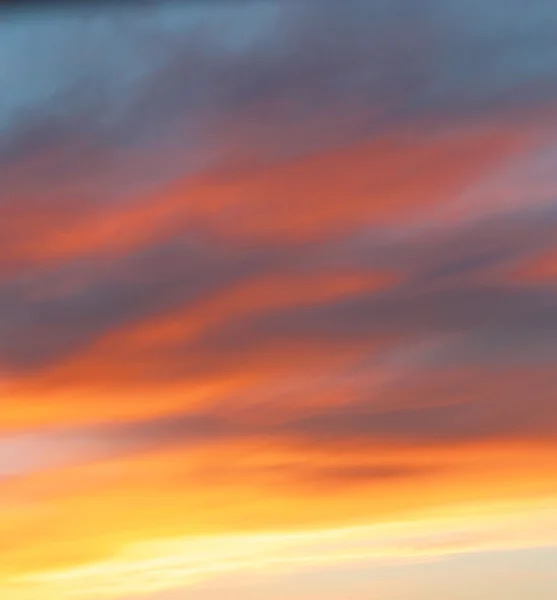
x=301, y=254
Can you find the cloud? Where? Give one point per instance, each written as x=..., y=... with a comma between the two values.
x=154, y=93
x=295, y=255
x=456, y=284
x=362, y=438
x=242, y=323
x=62, y=310
x=445, y=410
x=143, y=75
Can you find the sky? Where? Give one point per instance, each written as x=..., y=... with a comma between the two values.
x=278, y=300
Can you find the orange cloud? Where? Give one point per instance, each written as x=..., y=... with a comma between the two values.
x=296, y=199
x=539, y=269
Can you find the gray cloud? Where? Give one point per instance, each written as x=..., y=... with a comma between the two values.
x=38, y=327
x=133, y=76
x=508, y=416
x=443, y=409
x=444, y=292
x=500, y=317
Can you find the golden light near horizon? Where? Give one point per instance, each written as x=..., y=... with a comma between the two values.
x=174, y=563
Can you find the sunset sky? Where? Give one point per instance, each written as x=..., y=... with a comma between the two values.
x=278, y=300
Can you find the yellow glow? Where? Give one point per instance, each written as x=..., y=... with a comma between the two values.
x=172, y=563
